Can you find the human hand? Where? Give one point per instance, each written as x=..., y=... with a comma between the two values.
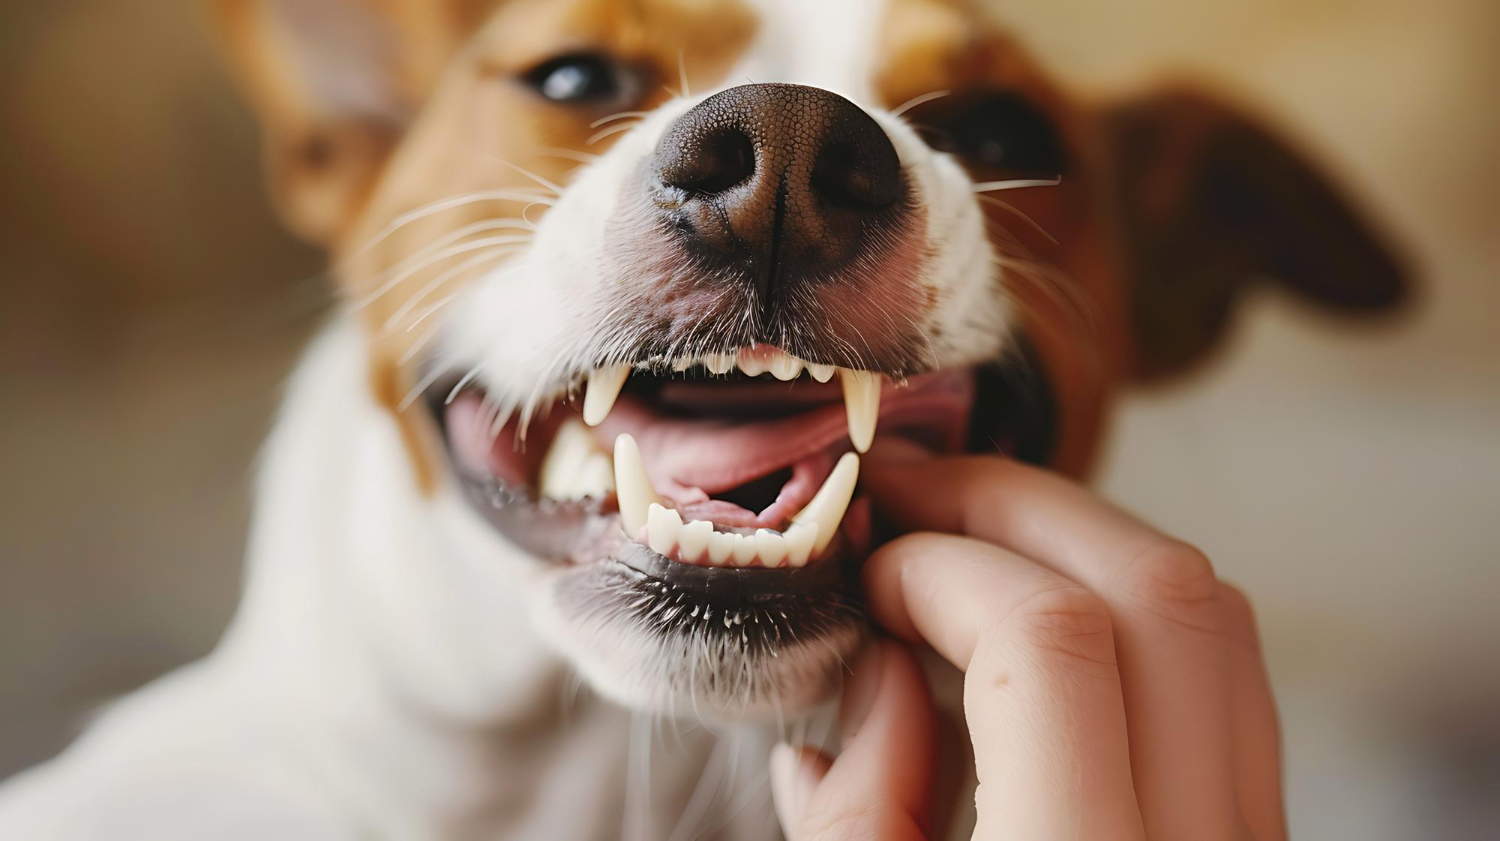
x=1113, y=686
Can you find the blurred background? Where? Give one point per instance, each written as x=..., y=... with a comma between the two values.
x=1344, y=476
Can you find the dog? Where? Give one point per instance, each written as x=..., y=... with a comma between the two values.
x=559, y=528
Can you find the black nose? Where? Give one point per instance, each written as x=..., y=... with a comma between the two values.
x=781, y=184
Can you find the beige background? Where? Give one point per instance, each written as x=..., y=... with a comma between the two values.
x=1345, y=475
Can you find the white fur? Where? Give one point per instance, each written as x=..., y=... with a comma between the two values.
x=387, y=674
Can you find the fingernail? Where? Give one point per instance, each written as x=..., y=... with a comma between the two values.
x=860, y=689
x=791, y=786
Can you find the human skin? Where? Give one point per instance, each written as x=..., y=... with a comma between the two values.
x=1114, y=686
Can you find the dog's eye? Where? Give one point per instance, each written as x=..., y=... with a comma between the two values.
x=995, y=130
x=580, y=79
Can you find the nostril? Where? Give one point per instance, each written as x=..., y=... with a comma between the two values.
x=846, y=176
x=712, y=162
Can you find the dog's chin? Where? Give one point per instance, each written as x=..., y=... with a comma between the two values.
x=733, y=638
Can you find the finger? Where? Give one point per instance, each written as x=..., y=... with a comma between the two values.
x=1257, y=735
x=795, y=774
x=879, y=786
x=1041, y=689
x=1161, y=594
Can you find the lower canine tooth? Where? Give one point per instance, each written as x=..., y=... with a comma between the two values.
x=603, y=387
x=632, y=487
x=826, y=510
x=862, y=404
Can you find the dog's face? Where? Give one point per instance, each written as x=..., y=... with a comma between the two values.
x=642, y=279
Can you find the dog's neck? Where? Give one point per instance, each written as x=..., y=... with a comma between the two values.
x=391, y=631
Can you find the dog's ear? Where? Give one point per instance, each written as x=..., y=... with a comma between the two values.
x=1208, y=200
x=333, y=83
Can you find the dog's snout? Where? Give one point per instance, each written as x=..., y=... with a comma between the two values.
x=785, y=183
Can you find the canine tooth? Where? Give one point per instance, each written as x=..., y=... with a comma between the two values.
x=693, y=540
x=596, y=478
x=720, y=547
x=799, y=541
x=784, y=366
x=565, y=459
x=663, y=528
x=826, y=510
x=632, y=486
x=821, y=373
x=770, y=546
x=862, y=404
x=604, y=386
x=744, y=550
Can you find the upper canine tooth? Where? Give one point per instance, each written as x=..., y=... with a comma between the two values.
x=633, y=487
x=826, y=510
x=862, y=404
x=785, y=367
x=604, y=386
x=821, y=373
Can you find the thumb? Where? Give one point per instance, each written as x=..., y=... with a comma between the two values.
x=878, y=787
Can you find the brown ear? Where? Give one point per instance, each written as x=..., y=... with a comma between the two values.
x=334, y=83
x=1209, y=201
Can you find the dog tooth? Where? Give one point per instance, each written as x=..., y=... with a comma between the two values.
x=821, y=373
x=683, y=364
x=693, y=540
x=770, y=546
x=603, y=388
x=719, y=363
x=720, y=547
x=752, y=365
x=784, y=366
x=663, y=528
x=744, y=550
x=861, y=404
x=799, y=541
x=565, y=458
x=826, y=510
x=633, y=487
x=596, y=478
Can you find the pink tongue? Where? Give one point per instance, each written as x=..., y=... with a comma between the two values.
x=689, y=460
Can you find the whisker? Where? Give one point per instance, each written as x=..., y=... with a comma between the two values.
x=442, y=278
x=567, y=154
x=447, y=204
x=558, y=191
x=614, y=129
x=1015, y=184
x=619, y=116
x=918, y=100
x=1017, y=211
x=682, y=79
x=462, y=248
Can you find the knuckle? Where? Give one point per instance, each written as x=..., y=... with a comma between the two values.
x=1069, y=623
x=1175, y=581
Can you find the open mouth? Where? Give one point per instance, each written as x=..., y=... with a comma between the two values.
x=730, y=462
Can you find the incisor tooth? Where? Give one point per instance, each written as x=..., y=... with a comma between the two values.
x=719, y=363
x=663, y=528
x=826, y=510
x=632, y=486
x=693, y=540
x=785, y=367
x=753, y=365
x=861, y=404
x=744, y=550
x=720, y=547
x=603, y=387
x=770, y=546
x=596, y=478
x=821, y=373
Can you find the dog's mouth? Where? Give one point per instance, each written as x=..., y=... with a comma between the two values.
x=744, y=462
